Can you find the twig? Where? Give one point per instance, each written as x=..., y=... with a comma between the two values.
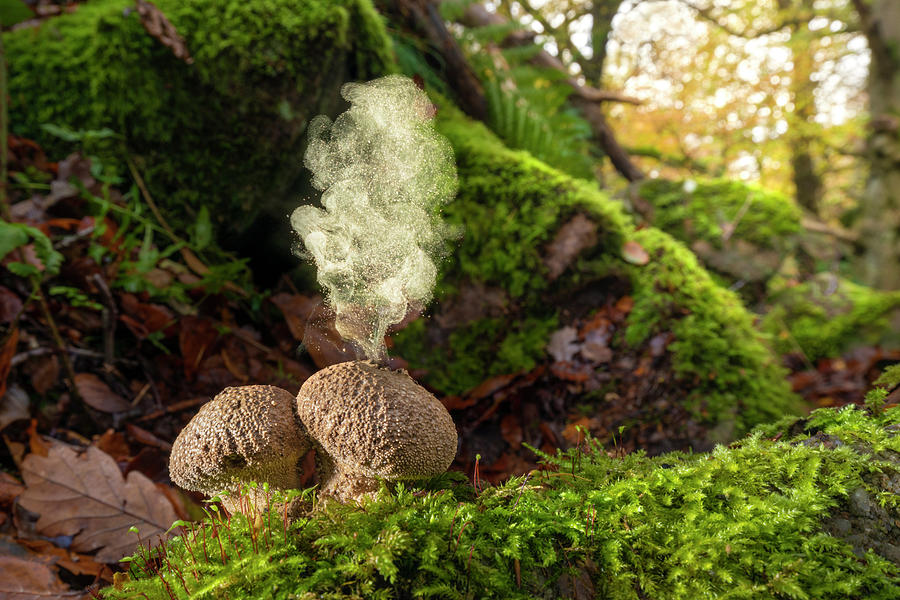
x=42, y=351
x=173, y=408
x=57, y=338
x=110, y=317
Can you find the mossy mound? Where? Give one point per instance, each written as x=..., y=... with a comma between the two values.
x=223, y=132
x=827, y=315
x=505, y=287
x=758, y=519
x=741, y=232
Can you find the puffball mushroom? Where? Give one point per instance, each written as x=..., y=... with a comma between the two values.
x=368, y=423
x=244, y=434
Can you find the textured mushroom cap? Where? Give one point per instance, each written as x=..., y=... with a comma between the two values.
x=244, y=434
x=377, y=422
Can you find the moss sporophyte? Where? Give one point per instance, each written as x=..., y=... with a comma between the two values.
x=761, y=518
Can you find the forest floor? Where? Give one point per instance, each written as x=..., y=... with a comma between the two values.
x=116, y=331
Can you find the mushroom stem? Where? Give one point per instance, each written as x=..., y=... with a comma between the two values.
x=340, y=483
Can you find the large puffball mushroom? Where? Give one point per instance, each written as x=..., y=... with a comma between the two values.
x=244, y=434
x=369, y=423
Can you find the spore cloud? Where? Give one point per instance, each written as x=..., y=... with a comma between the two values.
x=384, y=173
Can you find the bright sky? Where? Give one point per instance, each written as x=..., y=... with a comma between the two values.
x=642, y=27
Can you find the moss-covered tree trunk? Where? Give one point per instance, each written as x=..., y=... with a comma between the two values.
x=225, y=130
x=880, y=228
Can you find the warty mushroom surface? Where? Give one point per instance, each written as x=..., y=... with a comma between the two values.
x=369, y=423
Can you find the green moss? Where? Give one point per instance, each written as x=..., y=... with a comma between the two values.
x=747, y=521
x=759, y=216
x=225, y=131
x=482, y=349
x=740, y=231
x=827, y=316
x=716, y=347
x=510, y=206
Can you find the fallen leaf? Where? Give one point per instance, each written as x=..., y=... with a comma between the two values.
x=511, y=430
x=578, y=234
x=87, y=497
x=195, y=337
x=10, y=305
x=7, y=350
x=13, y=406
x=596, y=346
x=489, y=387
x=44, y=373
x=297, y=310
x=625, y=304
x=97, y=394
x=563, y=346
x=158, y=26
x=572, y=434
x=113, y=443
x=77, y=564
x=22, y=579
x=570, y=372
x=458, y=402
x=148, y=317
x=9, y=488
x=36, y=442
x=634, y=253
x=145, y=437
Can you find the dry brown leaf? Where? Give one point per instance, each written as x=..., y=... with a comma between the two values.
x=511, y=430
x=10, y=305
x=13, y=406
x=86, y=496
x=143, y=436
x=22, y=579
x=634, y=253
x=7, y=350
x=113, y=443
x=577, y=235
x=97, y=394
x=297, y=310
x=195, y=337
x=159, y=26
x=44, y=373
x=9, y=488
x=563, y=344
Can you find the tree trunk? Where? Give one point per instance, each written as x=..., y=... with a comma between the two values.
x=880, y=227
x=602, y=13
x=584, y=97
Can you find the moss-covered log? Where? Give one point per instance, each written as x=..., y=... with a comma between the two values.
x=740, y=232
x=829, y=315
x=809, y=514
x=540, y=250
x=224, y=131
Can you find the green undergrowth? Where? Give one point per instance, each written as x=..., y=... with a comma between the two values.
x=705, y=209
x=744, y=521
x=741, y=232
x=827, y=315
x=510, y=206
x=224, y=131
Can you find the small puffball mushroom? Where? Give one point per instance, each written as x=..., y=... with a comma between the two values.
x=244, y=434
x=369, y=423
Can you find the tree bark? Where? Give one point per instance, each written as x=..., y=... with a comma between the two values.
x=423, y=17
x=880, y=226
